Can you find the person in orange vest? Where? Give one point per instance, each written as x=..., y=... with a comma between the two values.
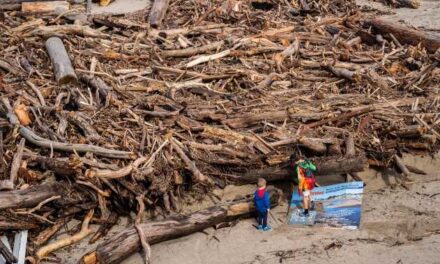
x=304, y=170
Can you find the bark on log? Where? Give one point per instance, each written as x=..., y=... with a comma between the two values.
x=415, y=170
x=399, y=163
x=62, y=67
x=124, y=244
x=197, y=176
x=411, y=131
x=74, y=29
x=9, y=68
x=406, y=35
x=5, y=2
x=68, y=167
x=29, y=197
x=188, y=52
x=325, y=166
x=341, y=117
x=349, y=146
x=44, y=7
x=42, y=142
x=10, y=222
x=97, y=84
x=344, y=73
x=157, y=12
x=321, y=146
x=276, y=116
x=350, y=151
x=405, y=3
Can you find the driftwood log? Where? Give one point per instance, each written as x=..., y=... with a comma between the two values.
x=405, y=3
x=406, y=35
x=325, y=166
x=10, y=2
x=127, y=242
x=350, y=151
x=29, y=197
x=158, y=11
x=62, y=67
x=44, y=7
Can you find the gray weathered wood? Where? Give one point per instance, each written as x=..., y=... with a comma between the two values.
x=28, y=197
x=406, y=35
x=19, y=250
x=399, y=163
x=6, y=255
x=158, y=11
x=62, y=67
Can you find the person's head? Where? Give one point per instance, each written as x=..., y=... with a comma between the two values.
x=296, y=156
x=261, y=183
x=293, y=157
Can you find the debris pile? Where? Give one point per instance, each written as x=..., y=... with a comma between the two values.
x=105, y=115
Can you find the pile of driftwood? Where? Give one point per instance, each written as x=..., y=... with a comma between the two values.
x=101, y=116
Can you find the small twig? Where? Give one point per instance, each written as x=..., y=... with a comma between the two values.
x=37, y=92
x=17, y=161
x=142, y=237
x=38, y=207
x=99, y=191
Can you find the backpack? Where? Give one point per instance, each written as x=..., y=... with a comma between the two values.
x=308, y=169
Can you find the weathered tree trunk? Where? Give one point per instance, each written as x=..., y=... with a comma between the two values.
x=350, y=151
x=411, y=131
x=127, y=242
x=44, y=7
x=399, y=163
x=10, y=222
x=321, y=146
x=406, y=35
x=188, y=52
x=28, y=197
x=405, y=3
x=158, y=11
x=325, y=166
x=276, y=116
x=68, y=167
x=4, y=2
x=62, y=67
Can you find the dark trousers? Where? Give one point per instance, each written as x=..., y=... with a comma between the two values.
x=262, y=218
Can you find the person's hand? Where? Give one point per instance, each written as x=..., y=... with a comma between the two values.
x=268, y=210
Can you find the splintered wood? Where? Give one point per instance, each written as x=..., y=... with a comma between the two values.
x=100, y=114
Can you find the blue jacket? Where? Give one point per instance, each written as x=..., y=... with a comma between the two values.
x=262, y=203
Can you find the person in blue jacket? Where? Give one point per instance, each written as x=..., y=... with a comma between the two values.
x=262, y=204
